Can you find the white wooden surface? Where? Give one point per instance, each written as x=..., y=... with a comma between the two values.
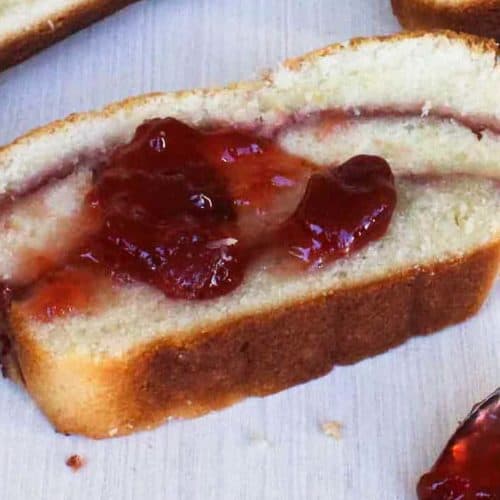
x=398, y=409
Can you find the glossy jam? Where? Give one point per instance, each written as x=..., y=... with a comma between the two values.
x=168, y=218
x=342, y=209
x=186, y=211
x=469, y=467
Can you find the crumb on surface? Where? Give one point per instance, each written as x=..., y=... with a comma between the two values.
x=75, y=462
x=332, y=429
x=258, y=439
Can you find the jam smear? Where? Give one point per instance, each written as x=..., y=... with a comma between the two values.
x=5, y=346
x=469, y=466
x=63, y=293
x=187, y=210
x=75, y=462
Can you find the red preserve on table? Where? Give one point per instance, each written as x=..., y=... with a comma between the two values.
x=469, y=466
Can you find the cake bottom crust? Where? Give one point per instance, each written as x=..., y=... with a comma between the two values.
x=253, y=356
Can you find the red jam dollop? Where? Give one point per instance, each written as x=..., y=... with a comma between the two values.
x=168, y=218
x=342, y=210
x=186, y=210
x=469, y=466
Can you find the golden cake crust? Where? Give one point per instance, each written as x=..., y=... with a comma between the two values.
x=255, y=355
x=24, y=43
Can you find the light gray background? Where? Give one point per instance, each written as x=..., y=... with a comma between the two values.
x=398, y=409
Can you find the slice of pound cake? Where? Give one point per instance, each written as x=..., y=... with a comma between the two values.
x=174, y=253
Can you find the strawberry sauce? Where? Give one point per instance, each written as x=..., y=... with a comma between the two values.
x=187, y=211
x=469, y=466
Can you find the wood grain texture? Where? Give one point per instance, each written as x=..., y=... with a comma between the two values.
x=398, y=409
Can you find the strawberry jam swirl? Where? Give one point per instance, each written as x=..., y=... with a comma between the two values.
x=469, y=466
x=187, y=211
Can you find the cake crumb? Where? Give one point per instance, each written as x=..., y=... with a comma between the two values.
x=265, y=74
x=75, y=462
x=257, y=439
x=332, y=429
